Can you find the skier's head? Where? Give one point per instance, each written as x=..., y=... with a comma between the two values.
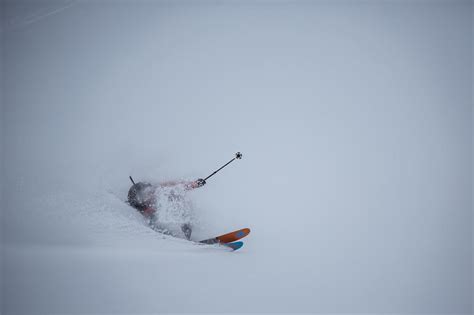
x=141, y=196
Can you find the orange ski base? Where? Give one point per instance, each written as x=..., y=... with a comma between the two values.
x=233, y=236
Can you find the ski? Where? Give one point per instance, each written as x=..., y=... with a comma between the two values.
x=228, y=238
x=234, y=246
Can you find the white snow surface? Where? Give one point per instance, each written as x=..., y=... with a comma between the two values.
x=354, y=120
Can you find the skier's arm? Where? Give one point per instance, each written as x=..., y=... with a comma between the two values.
x=196, y=184
x=188, y=185
x=172, y=183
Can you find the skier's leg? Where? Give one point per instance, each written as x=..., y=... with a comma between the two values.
x=187, y=230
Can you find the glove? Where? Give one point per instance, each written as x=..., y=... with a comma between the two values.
x=200, y=182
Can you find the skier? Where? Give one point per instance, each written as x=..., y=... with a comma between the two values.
x=142, y=196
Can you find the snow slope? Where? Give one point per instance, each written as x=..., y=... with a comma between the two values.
x=355, y=124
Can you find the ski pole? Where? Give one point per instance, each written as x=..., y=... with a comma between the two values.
x=238, y=156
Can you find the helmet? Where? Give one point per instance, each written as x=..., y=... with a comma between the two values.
x=141, y=196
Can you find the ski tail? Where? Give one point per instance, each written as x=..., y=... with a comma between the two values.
x=234, y=246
